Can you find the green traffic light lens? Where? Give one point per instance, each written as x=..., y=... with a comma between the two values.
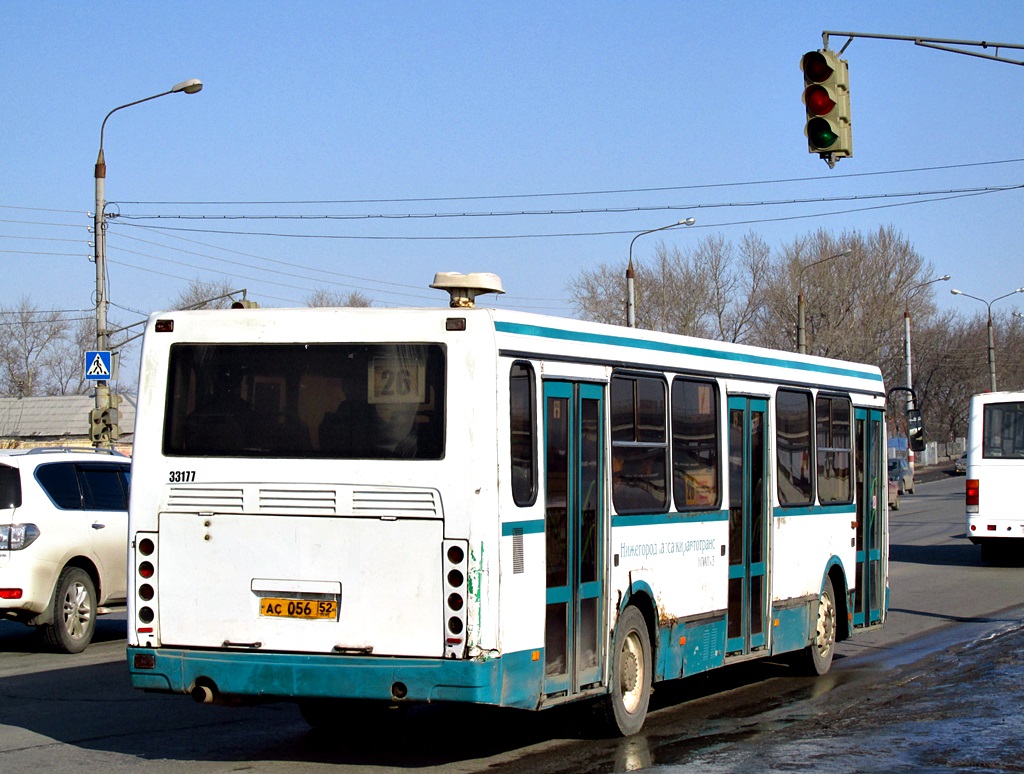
x=815, y=67
x=820, y=134
x=818, y=101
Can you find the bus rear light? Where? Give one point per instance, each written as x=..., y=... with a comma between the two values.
x=973, y=493
x=455, y=567
x=144, y=661
x=146, y=588
x=164, y=326
x=990, y=527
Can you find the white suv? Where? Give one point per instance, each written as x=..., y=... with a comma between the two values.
x=63, y=540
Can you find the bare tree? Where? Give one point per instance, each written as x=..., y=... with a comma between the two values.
x=29, y=335
x=325, y=298
x=737, y=284
x=854, y=303
x=672, y=293
x=64, y=363
x=600, y=294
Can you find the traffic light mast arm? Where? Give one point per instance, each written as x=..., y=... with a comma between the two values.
x=942, y=44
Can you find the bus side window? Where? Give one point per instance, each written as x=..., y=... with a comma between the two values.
x=640, y=482
x=794, y=444
x=833, y=449
x=522, y=432
x=695, y=444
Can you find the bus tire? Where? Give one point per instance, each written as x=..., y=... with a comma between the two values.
x=625, y=706
x=816, y=658
x=73, y=612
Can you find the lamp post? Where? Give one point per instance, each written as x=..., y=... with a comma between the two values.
x=906, y=333
x=801, y=343
x=190, y=86
x=906, y=352
x=991, y=337
x=630, y=292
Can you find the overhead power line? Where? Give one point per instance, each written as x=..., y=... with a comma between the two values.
x=585, y=210
x=615, y=232
x=605, y=192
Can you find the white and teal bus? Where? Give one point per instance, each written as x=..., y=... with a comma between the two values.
x=995, y=468
x=355, y=507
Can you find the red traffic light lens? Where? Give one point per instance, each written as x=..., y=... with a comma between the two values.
x=818, y=101
x=816, y=68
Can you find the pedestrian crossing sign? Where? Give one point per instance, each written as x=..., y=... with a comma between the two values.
x=97, y=366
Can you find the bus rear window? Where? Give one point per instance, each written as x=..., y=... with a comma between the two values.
x=1003, y=436
x=337, y=401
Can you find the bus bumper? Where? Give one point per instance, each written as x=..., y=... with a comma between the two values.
x=513, y=680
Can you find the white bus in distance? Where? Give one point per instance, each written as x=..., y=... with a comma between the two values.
x=352, y=508
x=995, y=468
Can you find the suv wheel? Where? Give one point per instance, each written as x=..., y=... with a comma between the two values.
x=74, y=612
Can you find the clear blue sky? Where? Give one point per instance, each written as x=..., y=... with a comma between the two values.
x=343, y=109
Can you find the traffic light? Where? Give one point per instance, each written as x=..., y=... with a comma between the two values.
x=110, y=418
x=103, y=422
x=97, y=430
x=827, y=104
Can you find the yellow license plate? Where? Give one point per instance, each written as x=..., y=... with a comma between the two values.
x=299, y=608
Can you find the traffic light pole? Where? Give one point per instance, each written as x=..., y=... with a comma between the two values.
x=942, y=44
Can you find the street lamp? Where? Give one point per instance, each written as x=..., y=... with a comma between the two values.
x=801, y=344
x=991, y=338
x=630, y=292
x=190, y=86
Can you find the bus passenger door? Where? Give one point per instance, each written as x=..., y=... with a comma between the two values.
x=574, y=535
x=748, y=537
x=871, y=480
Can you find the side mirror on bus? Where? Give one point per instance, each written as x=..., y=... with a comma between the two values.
x=915, y=430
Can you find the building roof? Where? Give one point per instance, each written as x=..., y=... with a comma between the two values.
x=58, y=416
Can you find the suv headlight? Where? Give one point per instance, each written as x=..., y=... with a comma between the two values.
x=14, y=537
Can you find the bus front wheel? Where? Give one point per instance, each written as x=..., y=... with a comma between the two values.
x=625, y=706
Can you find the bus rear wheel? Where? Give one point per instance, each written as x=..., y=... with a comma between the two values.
x=816, y=658
x=625, y=706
